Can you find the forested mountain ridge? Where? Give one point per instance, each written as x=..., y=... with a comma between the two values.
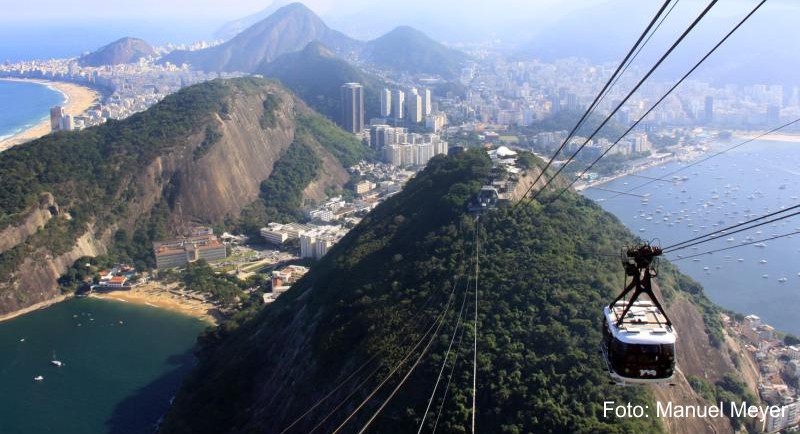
x=316, y=74
x=544, y=277
x=199, y=156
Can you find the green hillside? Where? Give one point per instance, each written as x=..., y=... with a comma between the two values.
x=406, y=49
x=93, y=173
x=315, y=74
x=544, y=277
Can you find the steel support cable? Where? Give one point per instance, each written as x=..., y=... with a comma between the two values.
x=702, y=160
x=363, y=382
x=449, y=379
x=726, y=229
x=446, y=357
x=629, y=95
x=674, y=249
x=414, y=319
x=440, y=321
x=644, y=44
x=475, y=344
x=597, y=98
x=653, y=107
x=736, y=246
x=404, y=379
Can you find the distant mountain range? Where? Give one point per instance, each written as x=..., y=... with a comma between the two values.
x=125, y=50
x=289, y=29
x=315, y=75
x=292, y=27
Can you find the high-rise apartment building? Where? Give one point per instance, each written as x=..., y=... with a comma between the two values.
x=56, y=113
x=386, y=103
x=398, y=104
x=426, y=102
x=414, y=107
x=352, y=107
x=709, y=110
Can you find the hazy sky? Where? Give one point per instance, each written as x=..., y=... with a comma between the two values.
x=361, y=18
x=597, y=29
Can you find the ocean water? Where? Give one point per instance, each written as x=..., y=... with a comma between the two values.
x=122, y=365
x=753, y=180
x=23, y=105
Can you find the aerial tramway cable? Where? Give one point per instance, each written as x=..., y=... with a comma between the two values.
x=727, y=231
x=653, y=107
x=597, y=99
x=702, y=160
x=475, y=343
x=449, y=380
x=440, y=321
x=446, y=357
x=775, y=237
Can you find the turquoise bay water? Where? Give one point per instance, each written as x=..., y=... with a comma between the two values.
x=756, y=179
x=24, y=104
x=122, y=365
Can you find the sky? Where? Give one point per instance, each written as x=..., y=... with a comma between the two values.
x=600, y=30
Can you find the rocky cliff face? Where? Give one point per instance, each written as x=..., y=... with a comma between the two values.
x=204, y=177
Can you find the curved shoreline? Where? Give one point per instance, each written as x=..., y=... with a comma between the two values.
x=77, y=99
x=34, y=307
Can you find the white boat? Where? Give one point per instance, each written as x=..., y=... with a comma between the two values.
x=730, y=240
x=742, y=260
x=38, y=378
x=782, y=279
x=705, y=268
x=763, y=261
x=55, y=362
x=760, y=245
x=765, y=276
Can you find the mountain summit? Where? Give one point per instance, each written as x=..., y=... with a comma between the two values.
x=289, y=29
x=125, y=50
x=315, y=74
x=406, y=49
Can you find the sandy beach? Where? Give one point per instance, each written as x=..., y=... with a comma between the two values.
x=77, y=100
x=169, y=298
x=775, y=137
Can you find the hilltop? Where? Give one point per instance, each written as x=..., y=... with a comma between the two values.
x=125, y=50
x=287, y=30
x=315, y=74
x=543, y=281
x=408, y=50
x=211, y=153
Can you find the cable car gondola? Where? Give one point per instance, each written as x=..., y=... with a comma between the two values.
x=638, y=337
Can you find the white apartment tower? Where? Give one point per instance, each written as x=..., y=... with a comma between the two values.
x=386, y=103
x=414, y=107
x=398, y=104
x=426, y=102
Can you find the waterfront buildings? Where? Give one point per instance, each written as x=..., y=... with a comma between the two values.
x=352, y=101
x=56, y=114
x=181, y=251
